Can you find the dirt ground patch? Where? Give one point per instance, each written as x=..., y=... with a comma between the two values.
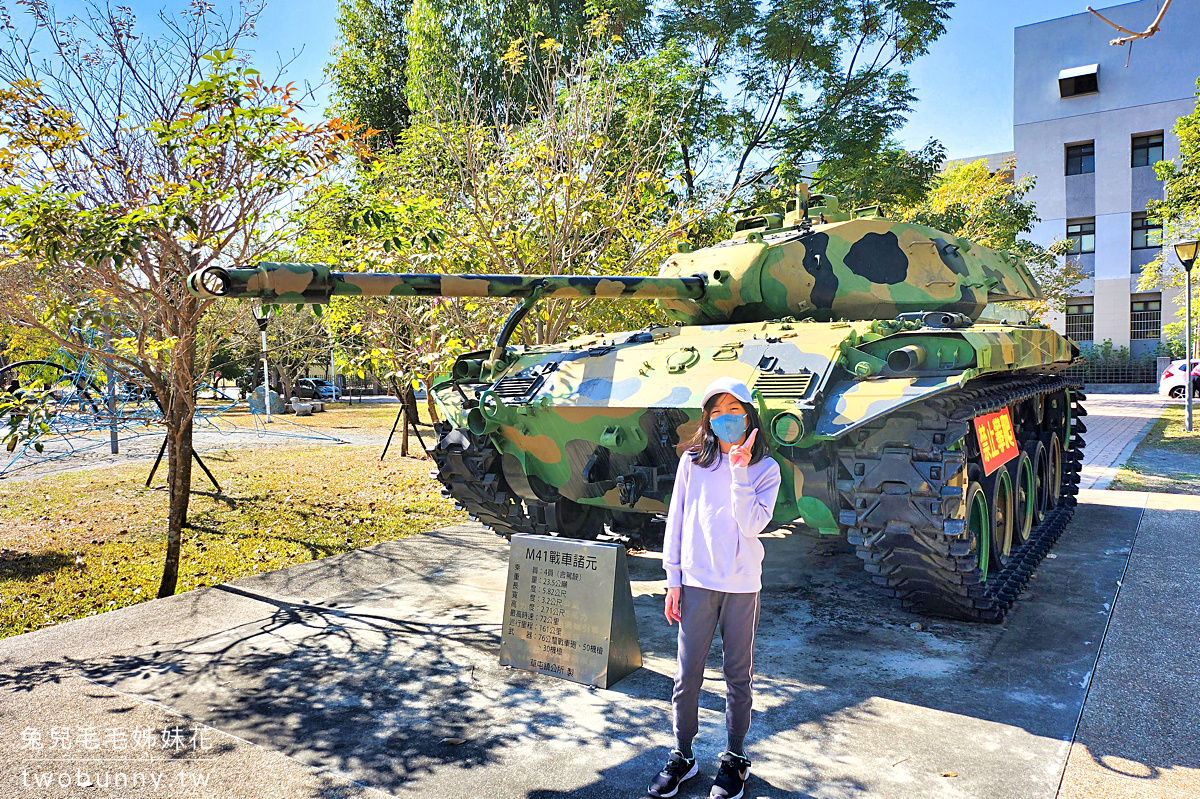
x=340, y=424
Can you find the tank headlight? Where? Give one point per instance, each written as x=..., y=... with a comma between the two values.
x=787, y=428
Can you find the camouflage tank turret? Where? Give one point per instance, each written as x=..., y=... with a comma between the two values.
x=946, y=448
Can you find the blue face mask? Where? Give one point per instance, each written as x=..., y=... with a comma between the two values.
x=729, y=427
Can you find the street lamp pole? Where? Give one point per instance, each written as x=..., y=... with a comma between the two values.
x=1186, y=252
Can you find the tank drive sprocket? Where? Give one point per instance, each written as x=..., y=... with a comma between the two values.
x=471, y=470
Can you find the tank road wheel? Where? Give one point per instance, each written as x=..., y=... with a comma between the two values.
x=1054, y=473
x=1025, y=497
x=999, y=488
x=1036, y=451
x=1025, y=491
x=640, y=530
x=979, y=525
x=570, y=519
x=1057, y=411
x=1038, y=406
x=940, y=536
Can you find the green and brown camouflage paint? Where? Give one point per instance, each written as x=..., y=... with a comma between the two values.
x=806, y=315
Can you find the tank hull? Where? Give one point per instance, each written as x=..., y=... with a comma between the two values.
x=587, y=436
x=945, y=448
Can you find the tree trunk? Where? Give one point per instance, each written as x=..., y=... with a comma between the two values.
x=179, y=413
x=400, y=395
x=411, y=415
x=429, y=403
x=688, y=177
x=410, y=404
x=179, y=486
x=404, y=434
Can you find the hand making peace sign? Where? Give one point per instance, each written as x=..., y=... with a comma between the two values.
x=739, y=454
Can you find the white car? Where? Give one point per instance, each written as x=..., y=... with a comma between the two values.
x=316, y=388
x=1172, y=382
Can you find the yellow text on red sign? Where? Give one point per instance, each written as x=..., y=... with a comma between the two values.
x=997, y=441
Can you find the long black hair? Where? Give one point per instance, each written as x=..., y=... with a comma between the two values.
x=705, y=447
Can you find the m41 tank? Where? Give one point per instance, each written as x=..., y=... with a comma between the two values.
x=945, y=447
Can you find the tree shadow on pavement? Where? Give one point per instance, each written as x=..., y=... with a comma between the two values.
x=392, y=692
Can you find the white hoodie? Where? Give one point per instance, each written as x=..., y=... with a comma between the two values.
x=713, y=524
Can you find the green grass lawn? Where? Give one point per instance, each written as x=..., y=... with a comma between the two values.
x=81, y=543
x=377, y=416
x=1167, y=460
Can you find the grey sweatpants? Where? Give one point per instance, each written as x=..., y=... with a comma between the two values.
x=737, y=616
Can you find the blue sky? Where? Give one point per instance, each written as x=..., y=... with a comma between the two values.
x=964, y=85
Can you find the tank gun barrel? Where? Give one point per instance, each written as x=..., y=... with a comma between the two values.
x=317, y=283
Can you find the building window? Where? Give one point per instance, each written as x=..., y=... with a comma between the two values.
x=1081, y=321
x=1079, y=80
x=1082, y=235
x=1148, y=149
x=1147, y=234
x=1081, y=158
x=1145, y=320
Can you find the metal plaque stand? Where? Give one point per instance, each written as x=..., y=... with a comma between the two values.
x=568, y=611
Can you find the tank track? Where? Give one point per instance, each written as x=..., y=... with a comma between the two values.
x=469, y=467
x=901, y=505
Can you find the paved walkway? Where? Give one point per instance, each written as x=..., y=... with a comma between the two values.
x=1115, y=425
x=375, y=673
x=1139, y=732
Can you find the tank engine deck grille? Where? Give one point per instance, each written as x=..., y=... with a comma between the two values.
x=515, y=389
x=796, y=385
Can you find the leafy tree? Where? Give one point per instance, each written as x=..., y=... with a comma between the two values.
x=385, y=215
x=296, y=341
x=815, y=79
x=763, y=87
x=456, y=46
x=969, y=200
x=576, y=184
x=369, y=68
x=893, y=178
x=129, y=162
x=1178, y=212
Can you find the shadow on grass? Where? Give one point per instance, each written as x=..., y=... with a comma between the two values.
x=316, y=550
x=25, y=566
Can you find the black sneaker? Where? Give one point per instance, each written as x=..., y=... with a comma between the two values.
x=675, y=773
x=731, y=778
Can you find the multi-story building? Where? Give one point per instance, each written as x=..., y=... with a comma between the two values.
x=1089, y=121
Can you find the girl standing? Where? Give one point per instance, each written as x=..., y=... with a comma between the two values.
x=724, y=496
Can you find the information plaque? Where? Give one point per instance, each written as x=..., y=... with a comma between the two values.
x=568, y=611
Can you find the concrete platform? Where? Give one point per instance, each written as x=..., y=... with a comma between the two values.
x=375, y=674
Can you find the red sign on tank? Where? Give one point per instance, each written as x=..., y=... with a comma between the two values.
x=997, y=441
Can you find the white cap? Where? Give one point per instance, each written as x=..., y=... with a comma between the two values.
x=727, y=385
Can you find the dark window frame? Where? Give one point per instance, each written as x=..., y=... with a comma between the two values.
x=1143, y=146
x=1080, y=323
x=1081, y=158
x=1080, y=238
x=1145, y=322
x=1142, y=233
